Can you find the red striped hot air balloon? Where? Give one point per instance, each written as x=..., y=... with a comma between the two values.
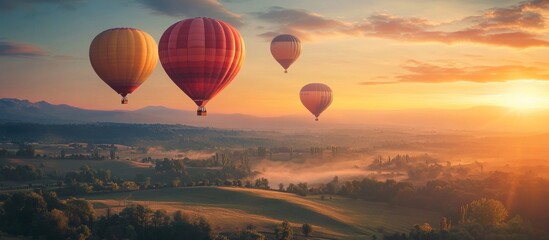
x=124, y=58
x=316, y=97
x=201, y=56
x=285, y=49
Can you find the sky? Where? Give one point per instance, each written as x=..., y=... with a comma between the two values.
x=375, y=55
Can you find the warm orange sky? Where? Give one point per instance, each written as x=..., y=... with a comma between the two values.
x=374, y=54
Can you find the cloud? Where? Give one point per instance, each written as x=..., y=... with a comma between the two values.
x=8, y=5
x=20, y=49
x=193, y=8
x=418, y=30
x=526, y=15
x=518, y=26
x=422, y=72
x=306, y=25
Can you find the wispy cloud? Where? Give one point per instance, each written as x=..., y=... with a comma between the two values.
x=422, y=72
x=19, y=49
x=306, y=25
x=194, y=8
x=8, y=48
x=518, y=26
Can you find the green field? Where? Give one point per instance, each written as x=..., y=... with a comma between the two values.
x=120, y=168
x=233, y=208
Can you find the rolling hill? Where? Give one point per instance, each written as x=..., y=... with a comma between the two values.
x=233, y=208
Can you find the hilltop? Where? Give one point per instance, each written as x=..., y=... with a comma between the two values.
x=231, y=208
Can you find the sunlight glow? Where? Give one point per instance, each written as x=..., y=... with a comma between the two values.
x=523, y=101
x=523, y=95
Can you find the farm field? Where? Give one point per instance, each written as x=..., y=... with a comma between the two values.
x=233, y=208
x=119, y=167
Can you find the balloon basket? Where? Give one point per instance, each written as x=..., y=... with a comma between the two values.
x=201, y=111
x=124, y=100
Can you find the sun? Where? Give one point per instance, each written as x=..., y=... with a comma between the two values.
x=520, y=95
x=523, y=100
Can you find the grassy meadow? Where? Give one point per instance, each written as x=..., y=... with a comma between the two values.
x=233, y=208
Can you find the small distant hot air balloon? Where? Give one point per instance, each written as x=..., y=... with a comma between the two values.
x=285, y=49
x=201, y=56
x=124, y=58
x=316, y=97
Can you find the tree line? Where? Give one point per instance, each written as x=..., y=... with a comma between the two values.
x=485, y=219
x=42, y=215
x=523, y=193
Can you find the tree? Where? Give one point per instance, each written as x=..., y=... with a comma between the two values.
x=137, y=215
x=104, y=175
x=333, y=186
x=80, y=188
x=147, y=183
x=55, y=225
x=129, y=185
x=53, y=201
x=176, y=182
x=246, y=235
x=25, y=150
x=262, y=183
x=160, y=218
x=184, y=228
x=445, y=225
x=112, y=152
x=487, y=212
x=250, y=226
x=79, y=212
x=83, y=232
x=426, y=227
x=422, y=232
x=284, y=231
x=307, y=229
x=20, y=210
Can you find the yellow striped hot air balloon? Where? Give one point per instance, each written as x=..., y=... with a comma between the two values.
x=286, y=49
x=124, y=58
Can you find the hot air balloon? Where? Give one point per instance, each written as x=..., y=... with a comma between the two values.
x=285, y=49
x=124, y=58
x=201, y=56
x=316, y=97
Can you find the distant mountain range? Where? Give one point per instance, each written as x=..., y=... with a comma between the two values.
x=485, y=118
x=44, y=112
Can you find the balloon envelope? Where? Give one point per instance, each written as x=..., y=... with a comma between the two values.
x=201, y=56
x=316, y=97
x=124, y=58
x=285, y=49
